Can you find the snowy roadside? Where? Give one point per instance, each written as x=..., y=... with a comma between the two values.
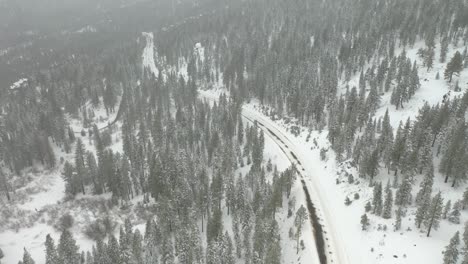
x=328, y=183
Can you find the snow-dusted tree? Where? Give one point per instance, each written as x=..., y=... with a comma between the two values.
x=454, y=66
x=399, y=145
x=67, y=249
x=447, y=208
x=151, y=241
x=227, y=250
x=443, y=49
x=301, y=217
x=453, y=162
x=465, y=244
x=451, y=251
x=113, y=249
x=167, y=251
x=434, y=214
x=464, y=201
x=454, y=215
x=80, y=168
x=403, y=194
x=429, y=58
x=388, y=204
x=377, y=199
x=368, y=207
x=126, y=256
x=27, y=259
x=213, y=252
x=399, y=214
x=425, y=190
x=50, y=251
x=273, y=250
x=364, y=222
x=423, y=207
x=137, y=247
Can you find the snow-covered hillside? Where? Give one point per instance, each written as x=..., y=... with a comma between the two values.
x=40, y=201
x=431, y=91
x=381, y=243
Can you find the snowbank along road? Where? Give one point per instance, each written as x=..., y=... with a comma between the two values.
x=326, y=240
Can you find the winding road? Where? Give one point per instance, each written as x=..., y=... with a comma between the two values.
x=329, y=246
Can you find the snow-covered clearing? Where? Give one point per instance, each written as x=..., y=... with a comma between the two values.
x=148, y=53
x=432, y=91
x=87, y=29
x=18, y=84
x=39, y=202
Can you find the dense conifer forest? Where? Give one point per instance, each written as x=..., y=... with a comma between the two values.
x=193, y=169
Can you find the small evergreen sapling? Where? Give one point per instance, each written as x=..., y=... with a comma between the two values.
x=364, y=222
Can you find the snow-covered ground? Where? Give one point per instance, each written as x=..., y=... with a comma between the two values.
x=310, y=166
x=39, y=202
x=148, y=53
x=280, y=158
x=328, y=183
x=18, y=84
x=431, y=91
x=87, y=29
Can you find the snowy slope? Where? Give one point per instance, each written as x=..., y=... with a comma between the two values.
x=41, y=201
x=431, y=91
x=329, y=182
x=148, y=53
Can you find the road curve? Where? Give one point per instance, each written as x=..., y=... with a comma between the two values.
x=328, y=243
x=320, y=256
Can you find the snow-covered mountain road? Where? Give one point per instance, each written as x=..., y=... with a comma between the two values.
x=328, y=242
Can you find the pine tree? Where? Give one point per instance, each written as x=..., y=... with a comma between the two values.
x=137, y=247
x=301, y=217
x=51, y=251
x=454, y=216
x=453, y=163
x=125, y=247
x=429, y=58
x=27, y=259
x=113, y=250
x=454, y=66
x=68, y=176
x=443, y=49
x=465, y=199
x=167, y=251
x=377, y=199
x=434, y=214
x=388, y=204
x=451, y=251
x=67, y=249
x=447, y=208
x=227, y=250
x=465, y=243
x=425, y=190
x=80, y=168
x=399, y=214
x=364, y=222
x=368, y=207
x=403, y=194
